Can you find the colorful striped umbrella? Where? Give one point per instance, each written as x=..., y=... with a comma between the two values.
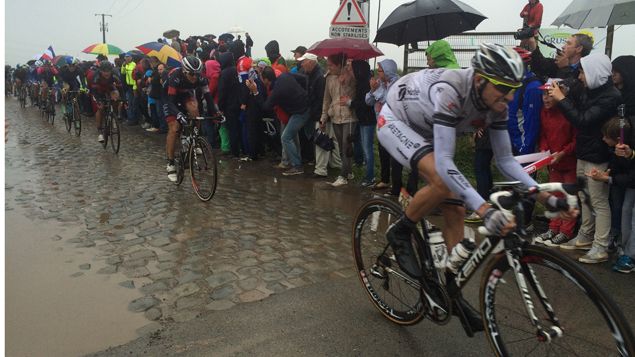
x=165, y=53
x=102, y=49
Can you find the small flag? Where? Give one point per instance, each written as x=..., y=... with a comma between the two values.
x=49, y=54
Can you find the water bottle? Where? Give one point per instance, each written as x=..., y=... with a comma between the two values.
x=438, y=249
x=459, y=254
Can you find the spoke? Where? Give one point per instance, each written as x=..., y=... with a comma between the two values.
x=532, y=350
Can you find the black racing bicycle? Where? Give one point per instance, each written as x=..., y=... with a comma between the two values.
x=110, y=126
x=47, y=105
x=196, y=155
x=72, y=113
x=22, y=95
x=534, y=301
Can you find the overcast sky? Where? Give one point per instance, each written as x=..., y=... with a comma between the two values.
x=71, y=25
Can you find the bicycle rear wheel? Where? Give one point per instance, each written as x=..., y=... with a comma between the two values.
x=115, y=135
x=203, y=169
x=590, y=321
x=391, y=290
x=77, y=119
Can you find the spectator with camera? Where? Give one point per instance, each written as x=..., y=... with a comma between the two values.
x=532, y=19
x=598, y=104
x=567, y=62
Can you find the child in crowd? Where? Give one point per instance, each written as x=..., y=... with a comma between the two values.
x=558, y=136
x=621, y=172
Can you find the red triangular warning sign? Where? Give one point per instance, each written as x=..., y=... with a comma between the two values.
x=349, y=13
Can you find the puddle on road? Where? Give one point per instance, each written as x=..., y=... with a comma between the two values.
x=64, y=315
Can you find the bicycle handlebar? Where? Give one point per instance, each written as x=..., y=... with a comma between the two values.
x=507, y=200
x=216, y=118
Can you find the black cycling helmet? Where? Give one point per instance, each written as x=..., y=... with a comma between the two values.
x=499, y=63
x=105, y=66
x=191, y=64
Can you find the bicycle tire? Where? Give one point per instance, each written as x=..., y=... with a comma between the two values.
x=50, y=111
x=581, y=320
x=203, y=169
x=106, y=130
x=115, y=135
x=377, y=268
x=179, y=164
x=68, y=119
x=22, y=97
x=77, y=119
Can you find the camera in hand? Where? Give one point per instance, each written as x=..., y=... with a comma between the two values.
x=524, y=33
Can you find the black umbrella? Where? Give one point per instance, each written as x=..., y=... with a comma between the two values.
x=226, y=37
x=136, y=54
x=171, y=33
x=423, y=20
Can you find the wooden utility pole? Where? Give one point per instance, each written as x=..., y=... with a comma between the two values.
x=103, y=26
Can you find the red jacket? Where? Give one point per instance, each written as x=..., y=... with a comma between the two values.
x=532, y=15
x=212, y=73
x=557, y=134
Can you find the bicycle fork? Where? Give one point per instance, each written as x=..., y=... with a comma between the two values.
x=544, y=334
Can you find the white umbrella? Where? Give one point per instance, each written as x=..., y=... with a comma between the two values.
x=597, y=13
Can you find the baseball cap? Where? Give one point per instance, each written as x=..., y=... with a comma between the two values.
x=300, y=49
x=308, y=56
x=549, y=83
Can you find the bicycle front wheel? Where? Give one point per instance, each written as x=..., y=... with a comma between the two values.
x=115, y=135
x=77, y=119
x=395, y=294
x=50, y=111
x=68, y=118
x=566, y=300
x=203, y=169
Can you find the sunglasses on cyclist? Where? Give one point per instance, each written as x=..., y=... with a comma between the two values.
x=190, y=74
x=502, y=87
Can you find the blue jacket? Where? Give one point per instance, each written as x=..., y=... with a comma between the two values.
x=524, y=116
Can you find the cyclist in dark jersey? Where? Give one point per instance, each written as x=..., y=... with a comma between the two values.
x=183, y=91
x=71, y=76
x=102, y=84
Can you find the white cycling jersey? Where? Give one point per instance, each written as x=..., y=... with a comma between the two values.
x=425, y=110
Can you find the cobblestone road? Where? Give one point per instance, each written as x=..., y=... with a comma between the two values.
x=261, y=234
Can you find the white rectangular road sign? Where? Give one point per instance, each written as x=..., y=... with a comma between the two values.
x=348, y=31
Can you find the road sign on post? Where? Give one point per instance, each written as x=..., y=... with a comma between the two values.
x=349, y=21
x=349, y=14
x=348, y=31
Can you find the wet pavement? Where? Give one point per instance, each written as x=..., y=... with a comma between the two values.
x=261, y=234
x=122, y=252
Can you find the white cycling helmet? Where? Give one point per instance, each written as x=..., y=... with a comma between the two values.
x=499, y=63
x=38, y=63
x=192, y=64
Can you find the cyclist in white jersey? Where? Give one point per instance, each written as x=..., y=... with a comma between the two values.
x=418, y=126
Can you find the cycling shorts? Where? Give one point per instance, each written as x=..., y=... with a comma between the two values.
x=402, y=142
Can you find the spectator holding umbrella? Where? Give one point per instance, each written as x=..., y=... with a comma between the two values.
x=336, y=108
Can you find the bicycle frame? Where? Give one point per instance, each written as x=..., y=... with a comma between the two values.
x=493, y=244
